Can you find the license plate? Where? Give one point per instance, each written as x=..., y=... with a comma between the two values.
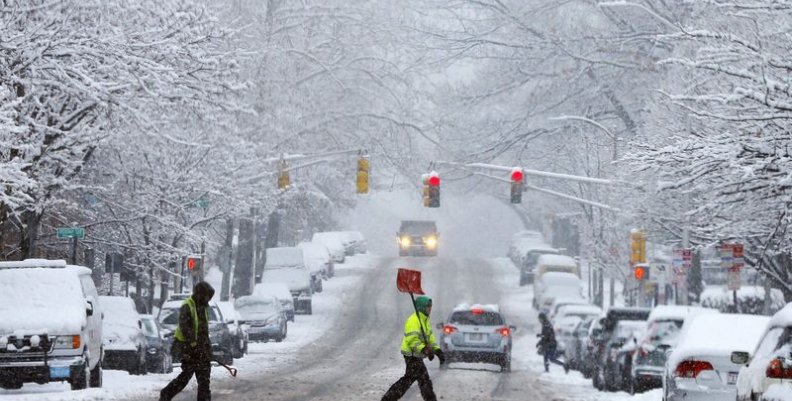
x=732, y=378
x=59, y=372
x=476, y=337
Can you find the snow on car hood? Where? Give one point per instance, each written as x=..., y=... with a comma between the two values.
x=41, y=300
x=120, y=336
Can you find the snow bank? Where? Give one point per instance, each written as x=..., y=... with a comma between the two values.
x=41, y=300
x=750, y=299
x=778, y=392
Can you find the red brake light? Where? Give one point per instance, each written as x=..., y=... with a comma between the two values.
x=477, y=311
x=777, y=370
x=449, y=329
x=504, y=331
x=691, y=369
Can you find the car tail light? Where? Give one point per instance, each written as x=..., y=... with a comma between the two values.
x=691, y=369
x=449, y=329
x=777, y=369
x=477, y=311
x=504, y=331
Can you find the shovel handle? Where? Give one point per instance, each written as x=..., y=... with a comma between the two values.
x=232, y=370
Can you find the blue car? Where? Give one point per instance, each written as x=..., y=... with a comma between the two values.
x=476, y=333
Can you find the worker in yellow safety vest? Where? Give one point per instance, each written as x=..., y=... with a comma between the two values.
x=192, y=343
x=418, y=343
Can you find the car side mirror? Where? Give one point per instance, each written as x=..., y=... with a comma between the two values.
x=513, y=328
x=89, y=308
x=440, y=326
x=740, y=357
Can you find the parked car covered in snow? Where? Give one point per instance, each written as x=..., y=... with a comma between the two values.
x=356, y=241
x=334, y=243
x=50, y=325
x=238, y=330
x=621, y=340
x=122, y=335
x=281, y=292
x=219, y=335
x=318, y=260
x=567, y=318
x=648, y=360
x=158, y=347
x=527, y=256
x=575, y=348
x=287, y=265
x=768, y=369
x=602, y=343
x=700, y=366
x=554, y=285
x=264, y=317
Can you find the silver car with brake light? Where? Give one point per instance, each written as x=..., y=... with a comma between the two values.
x=477, y=333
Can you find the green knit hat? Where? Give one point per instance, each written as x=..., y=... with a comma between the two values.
x=423, y=303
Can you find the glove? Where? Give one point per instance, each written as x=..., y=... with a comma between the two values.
x=441, y=356
x=429, y=353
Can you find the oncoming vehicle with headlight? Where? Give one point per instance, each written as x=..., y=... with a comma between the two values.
x=50, y=325
x=477, y=333
x=417, y=238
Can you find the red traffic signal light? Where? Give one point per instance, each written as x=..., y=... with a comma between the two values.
x=517, y=175
x=193, y=263
x=434, y=180
x=640, y=273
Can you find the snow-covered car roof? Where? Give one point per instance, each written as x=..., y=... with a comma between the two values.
x=528, y=234
x=121, y=324
x=559, y=278
x=41, y=300
x=676, y=312
x=315, y=250
x=27, y=263
x=484, y=307
x=717, y=334
x=556, y=260
x=276, y=289
x=284, y=257
x=782, y=318
x=578, y=308
x=228, y=310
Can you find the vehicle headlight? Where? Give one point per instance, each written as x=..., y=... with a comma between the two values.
x=152, y=351
x=404, y=241
x=431, y=242
x=67, y=342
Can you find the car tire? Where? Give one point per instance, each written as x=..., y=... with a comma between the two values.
x=96, y=376
x=596, y=379
x=82, y=380
x=11, y=385
x=506, y=365
x=309, y=309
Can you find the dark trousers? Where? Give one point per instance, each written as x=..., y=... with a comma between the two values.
x=201, y=371
x=416, y=370
x=550, y=355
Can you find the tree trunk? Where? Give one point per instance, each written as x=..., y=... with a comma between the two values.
x=30, y=232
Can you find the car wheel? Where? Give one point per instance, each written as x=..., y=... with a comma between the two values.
x=309, y=309
x=96, y=376
x=596, y=380
x=506, y=364
x=11, y=385
x=82, y=380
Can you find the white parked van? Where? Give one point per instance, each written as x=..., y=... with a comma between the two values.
x=552, y=285
x=556, y=263
x=50, y=325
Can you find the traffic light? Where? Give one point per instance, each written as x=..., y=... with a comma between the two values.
x=283, y=176
x=637, y=247
x=516, y=185
x=434, y=189
x=363, y=175
x=194, y=264
x=641, y=272
x=425, y=189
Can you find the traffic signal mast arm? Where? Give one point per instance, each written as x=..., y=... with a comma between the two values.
x=471, y=167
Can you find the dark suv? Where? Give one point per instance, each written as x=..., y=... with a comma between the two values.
x=417, y=238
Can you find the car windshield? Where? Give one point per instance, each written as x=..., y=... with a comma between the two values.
x=629, y=329
x=476, y=319
x=418, y=228
x=260, y=309
x=664, y=332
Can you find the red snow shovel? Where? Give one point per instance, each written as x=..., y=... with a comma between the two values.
x=410, y=281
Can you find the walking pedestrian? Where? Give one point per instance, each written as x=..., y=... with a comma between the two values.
x=418, y=343
x=547, y=344
x=191, y=340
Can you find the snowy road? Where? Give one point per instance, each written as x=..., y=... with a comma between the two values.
x=349, y=349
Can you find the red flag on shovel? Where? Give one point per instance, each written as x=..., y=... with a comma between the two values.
x=409, y=281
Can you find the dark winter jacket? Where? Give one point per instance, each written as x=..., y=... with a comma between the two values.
x=198, y=351
x=547, y=336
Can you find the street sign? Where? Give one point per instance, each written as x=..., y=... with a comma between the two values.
x=71, y=232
